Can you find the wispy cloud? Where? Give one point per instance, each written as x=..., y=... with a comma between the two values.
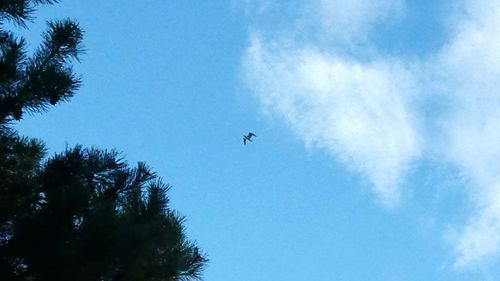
x=471, y=62
x=362, y=111
x=355, y=111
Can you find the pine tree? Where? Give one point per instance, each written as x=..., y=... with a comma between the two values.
x=84, y=214
x=95, y=218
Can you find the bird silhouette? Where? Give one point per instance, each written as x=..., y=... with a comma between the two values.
x=248, y=137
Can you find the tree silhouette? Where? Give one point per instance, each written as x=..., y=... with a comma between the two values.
x=84, y=214
x=31, y=84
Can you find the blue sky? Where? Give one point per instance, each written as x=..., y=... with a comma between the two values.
x=377, y=146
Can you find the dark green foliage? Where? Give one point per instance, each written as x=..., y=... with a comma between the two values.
x=74, y=229
x=83, y=214
x=31, y=84
x=19, y=11
x=18, y=167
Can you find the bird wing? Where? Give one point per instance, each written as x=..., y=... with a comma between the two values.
x=244, y=140
x=251, y=135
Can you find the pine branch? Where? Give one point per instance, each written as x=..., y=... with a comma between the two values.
x=47, y=77
x=62, y=41
x=12, y=54
x=20, y=11
x=17, y=11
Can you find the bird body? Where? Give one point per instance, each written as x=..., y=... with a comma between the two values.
x=248, y=137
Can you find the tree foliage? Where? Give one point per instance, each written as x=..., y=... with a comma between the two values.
x=84, y=214
x=31, y=84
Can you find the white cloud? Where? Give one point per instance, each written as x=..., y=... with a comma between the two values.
x=362, y=111
x=480, y=238
x=471, y=63
x=354, y=111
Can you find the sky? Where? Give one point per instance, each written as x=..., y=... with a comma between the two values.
x=378, y=142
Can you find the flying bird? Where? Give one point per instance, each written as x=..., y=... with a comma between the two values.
x=248, y=137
